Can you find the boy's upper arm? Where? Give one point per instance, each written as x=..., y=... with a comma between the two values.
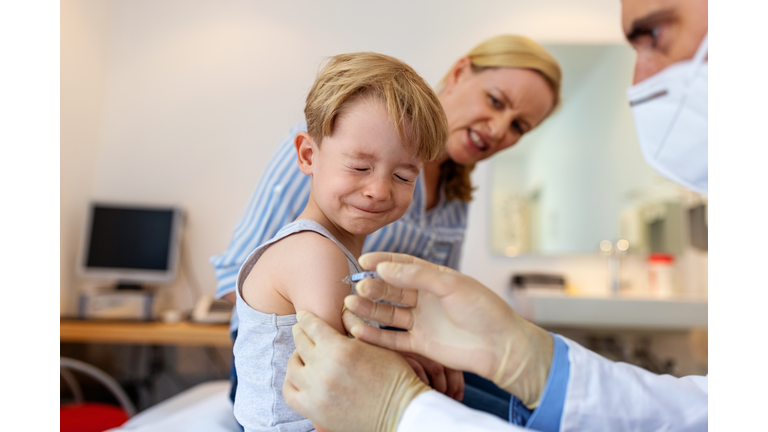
x=313, y=277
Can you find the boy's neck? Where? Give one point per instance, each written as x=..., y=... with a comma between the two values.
x=353, y=242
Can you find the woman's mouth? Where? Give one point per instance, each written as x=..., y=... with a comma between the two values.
x=477, y=140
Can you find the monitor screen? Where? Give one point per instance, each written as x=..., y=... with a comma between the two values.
x=131, y=243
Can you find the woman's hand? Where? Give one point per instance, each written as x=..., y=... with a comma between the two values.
x=451, y=319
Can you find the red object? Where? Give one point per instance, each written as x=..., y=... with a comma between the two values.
x=661, y=258
x=90, y=417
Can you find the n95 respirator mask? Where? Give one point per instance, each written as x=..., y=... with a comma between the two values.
x=670, y=112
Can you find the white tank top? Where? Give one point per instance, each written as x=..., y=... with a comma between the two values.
x=262, y=348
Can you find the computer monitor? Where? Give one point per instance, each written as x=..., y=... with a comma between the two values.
x=131, y=245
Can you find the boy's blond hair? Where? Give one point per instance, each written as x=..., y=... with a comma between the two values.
x=413, y=107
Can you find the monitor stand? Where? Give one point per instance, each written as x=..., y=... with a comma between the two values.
x=128, y=286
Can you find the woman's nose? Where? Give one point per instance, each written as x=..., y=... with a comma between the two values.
x=499, y=126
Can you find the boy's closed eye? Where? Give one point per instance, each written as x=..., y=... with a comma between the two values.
x=404, y=178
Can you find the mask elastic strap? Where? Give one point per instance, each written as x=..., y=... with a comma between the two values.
x=701, y=53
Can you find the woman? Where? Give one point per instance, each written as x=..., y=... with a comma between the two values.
x=502, y=89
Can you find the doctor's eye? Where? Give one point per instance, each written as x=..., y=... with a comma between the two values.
x=645, y=36
x=653, y=33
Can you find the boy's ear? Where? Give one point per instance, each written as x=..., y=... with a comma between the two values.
x=460, y=70
x=305, y=150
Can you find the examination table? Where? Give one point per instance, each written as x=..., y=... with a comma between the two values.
x=203, y=408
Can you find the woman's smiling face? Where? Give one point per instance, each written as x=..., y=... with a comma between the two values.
x=488, y=111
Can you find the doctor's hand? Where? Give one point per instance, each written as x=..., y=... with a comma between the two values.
x=448, y=381
x=452, y=319
x=329, y=374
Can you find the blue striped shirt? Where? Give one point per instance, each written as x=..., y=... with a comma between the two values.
x=436, y=235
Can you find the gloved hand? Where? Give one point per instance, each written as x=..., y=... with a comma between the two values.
x=452, y=319
x=448, y=381
x=329, y=372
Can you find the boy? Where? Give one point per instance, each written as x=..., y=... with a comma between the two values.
x=371, y=123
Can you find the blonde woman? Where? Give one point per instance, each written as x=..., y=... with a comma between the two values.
x=501, y=90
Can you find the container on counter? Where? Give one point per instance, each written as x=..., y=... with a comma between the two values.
x=661, y=274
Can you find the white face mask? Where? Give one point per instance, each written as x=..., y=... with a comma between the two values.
x=670, y=111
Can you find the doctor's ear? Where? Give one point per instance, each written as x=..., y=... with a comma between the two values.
x=460, y=71
x=305, y=150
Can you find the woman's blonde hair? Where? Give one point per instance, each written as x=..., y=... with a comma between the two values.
x=505, y=51
x=413, y=107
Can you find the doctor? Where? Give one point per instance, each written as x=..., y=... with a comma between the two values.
x=349, y=385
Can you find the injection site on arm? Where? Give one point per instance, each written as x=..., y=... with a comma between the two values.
x=357, y=277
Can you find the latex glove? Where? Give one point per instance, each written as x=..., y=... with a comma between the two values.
x=345, y=384
x=452, y=319
x=448, y=381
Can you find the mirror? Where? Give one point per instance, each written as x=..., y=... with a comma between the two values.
x=580, y=179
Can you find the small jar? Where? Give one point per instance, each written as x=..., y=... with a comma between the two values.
x=661, y=274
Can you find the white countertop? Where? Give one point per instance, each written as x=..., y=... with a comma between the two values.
x=623, y=311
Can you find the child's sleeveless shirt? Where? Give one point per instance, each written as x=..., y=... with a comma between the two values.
x=262, y=348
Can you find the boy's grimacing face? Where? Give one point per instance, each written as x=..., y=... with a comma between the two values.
x=363, y=177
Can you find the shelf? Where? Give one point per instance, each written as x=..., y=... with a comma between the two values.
x=152, y=333
x=627, y=312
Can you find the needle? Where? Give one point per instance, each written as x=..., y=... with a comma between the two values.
x=357, y=277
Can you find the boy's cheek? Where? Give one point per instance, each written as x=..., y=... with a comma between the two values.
x=402, y=205
x=408, y=193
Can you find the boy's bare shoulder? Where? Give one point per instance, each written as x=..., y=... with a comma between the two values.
x=304, y=258
x=306, y=244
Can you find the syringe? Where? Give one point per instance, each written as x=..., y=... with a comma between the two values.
x=357, y=277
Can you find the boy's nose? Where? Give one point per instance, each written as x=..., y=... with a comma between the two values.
x=378, y=189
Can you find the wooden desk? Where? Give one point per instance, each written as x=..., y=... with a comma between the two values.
x=150, y=333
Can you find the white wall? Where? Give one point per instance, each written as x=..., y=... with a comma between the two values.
x=84, y=45
x=197, y=94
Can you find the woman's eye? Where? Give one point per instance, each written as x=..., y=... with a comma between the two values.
x=516, y=126
x=495, y=102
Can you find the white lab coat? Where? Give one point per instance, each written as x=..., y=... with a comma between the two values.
x=601, y=396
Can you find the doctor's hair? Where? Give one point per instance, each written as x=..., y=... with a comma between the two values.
x=504, y=51
x=416, y=113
